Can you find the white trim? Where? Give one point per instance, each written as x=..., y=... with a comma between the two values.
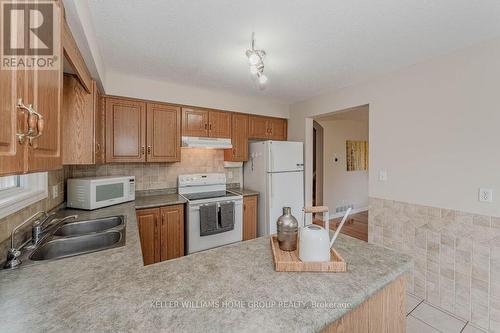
x=33, y=188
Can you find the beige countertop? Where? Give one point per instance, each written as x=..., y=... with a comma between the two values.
x=230, y=288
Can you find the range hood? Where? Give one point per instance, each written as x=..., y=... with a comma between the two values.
x=201, y=142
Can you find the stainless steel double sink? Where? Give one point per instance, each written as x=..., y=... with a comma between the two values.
x=75, y=238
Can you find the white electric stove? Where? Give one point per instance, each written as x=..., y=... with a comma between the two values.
x=209, y=189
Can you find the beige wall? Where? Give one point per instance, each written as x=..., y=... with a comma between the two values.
x=152, y=176
x=433, y=127
x=164, y=91
x=341, y=187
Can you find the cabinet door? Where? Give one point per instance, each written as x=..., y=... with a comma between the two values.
x=148, y=220
x=278, y=129
x=219, y=124
x=239, y=139
x=100, y=138
x=163, y=133
x=249, y=217
x=258, y=127
x=77, y=122
x=125, y=130
x=45, y=93
x=194, y=122
x=12, y=121
x=172, y=232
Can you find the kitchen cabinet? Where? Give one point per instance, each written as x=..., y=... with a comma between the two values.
x=163, y=133
x=267, y=128
x=42, y=89
x=161, y=231
x=125, y=130
x=171, y=232
x=206, y=123
x=82, y=123
x=250, y=217
x=194, y=122
x=219, y=124
x=137, y=131
x=239, y=139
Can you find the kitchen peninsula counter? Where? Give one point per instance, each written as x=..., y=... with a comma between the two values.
x=230, y=288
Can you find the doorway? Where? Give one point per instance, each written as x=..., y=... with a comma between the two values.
x=340, y=144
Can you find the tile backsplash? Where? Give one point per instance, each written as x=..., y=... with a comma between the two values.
x=152, y=176
x=456, y=256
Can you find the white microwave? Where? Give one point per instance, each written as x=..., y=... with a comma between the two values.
x=97, y=192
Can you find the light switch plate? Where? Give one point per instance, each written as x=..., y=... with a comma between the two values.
x=55, y=191
x=382, y=175
x=485, y=195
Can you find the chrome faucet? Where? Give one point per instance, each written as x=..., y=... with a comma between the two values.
x=14, y=253
x=41, y=226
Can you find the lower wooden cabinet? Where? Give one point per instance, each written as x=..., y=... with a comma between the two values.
x=161, y=231
x=250, y=217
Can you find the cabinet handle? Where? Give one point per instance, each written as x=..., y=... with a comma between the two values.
x=206, y=126
x=142, y=150
x=36, y=123
x=149, y=150
x=210, y=126
x=98, y=148
x=234, y=151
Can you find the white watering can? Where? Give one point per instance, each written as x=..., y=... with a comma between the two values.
x=314, y=240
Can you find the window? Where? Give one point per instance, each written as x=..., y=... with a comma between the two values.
x=18, y=192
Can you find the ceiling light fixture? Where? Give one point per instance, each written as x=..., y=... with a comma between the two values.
x=256, y=62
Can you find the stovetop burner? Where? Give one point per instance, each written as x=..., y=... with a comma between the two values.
x=209, y=195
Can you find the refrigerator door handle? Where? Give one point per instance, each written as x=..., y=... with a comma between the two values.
x=271, y=186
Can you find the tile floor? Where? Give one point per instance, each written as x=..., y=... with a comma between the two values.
x=424, y=318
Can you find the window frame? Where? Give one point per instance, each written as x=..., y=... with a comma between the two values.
x=32, y=188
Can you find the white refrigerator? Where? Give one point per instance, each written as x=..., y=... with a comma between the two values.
x=276, y=170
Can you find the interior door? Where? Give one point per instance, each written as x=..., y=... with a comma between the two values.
x=286, y=189
x=172, y=232
x=220, y=124
x=12, y=121
x=147, y=220
x=163, y=133
x=125, y=130
x=45, y=93
x=194, y=122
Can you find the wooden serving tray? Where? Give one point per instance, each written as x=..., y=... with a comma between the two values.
x=288, y=261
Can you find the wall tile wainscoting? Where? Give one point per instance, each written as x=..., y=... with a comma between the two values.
x=456, y=256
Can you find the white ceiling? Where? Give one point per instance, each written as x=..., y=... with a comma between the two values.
x=312, y=45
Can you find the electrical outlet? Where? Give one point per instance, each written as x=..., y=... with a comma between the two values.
x=382, y=175
x=230, y=175
x=485, y=195
x=55, y=191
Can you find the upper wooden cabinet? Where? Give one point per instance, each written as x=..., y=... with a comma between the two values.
x=82, y=123
x=163, y=133
x=219, y=124
x=142, y=132
x=161, y=231
x=267, y=128
x=40, y=91
x=239, y=139
x=194, y=122
x=206, y=123
x=12, y=121
x=125, y=130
